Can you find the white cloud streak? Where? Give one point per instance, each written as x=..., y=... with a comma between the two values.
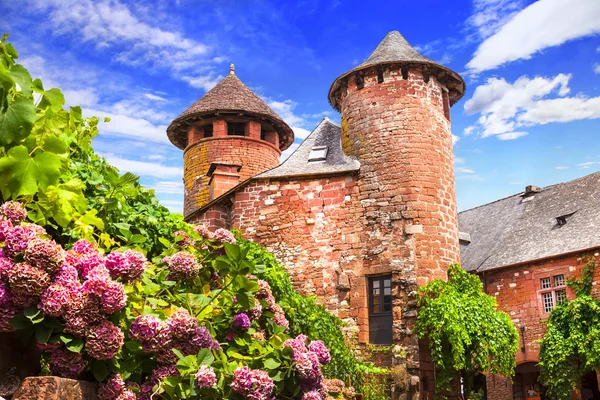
x=543, y=24
x=505, y=106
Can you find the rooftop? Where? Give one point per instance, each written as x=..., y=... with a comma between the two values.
x=531, y=225
x=326, y=135
x=395, y=49
x=230, y=95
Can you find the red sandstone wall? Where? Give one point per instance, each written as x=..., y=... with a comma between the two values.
x=254, y=155
x=518, y=293
x=400, y=134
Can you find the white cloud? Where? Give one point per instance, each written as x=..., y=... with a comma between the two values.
x=489, y=15
x=286, y=153
x=505, y=106
x=83, y=98
x=205, y=82
x=588, y=164
x=175, y=206
x=154, y=97
x=143, y=168
x=168, y=187
x=300, y=133
x=156, y=157
x=458, y=160
x=455, y=139
x=561, y=167
x=511, y=135
x=543, y=24
x=464, y=170
x=128, y=126
x=285, y=109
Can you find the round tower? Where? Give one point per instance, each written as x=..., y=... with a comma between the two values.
x=395, y=110
x=228, y=136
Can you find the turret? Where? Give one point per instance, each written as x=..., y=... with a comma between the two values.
x=229, y=135
x=396, y=120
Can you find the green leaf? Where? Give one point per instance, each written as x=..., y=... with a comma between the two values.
x=42, y=333
x=52, y=99
x=21, y=76
x=232, y=251
x=55, y=145
x=137, y=238
x=20, y=321
x=244, y=300
x=64, y=201
x=23, y=175
x=31, y=312
x=65, y=339
x=16, y=120
x=271, y=364
x=76, y=345
x=205, y=357
x=100, y=370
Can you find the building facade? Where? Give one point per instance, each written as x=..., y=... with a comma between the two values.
x=363, y=214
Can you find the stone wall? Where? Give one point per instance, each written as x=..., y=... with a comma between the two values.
x=253, y=155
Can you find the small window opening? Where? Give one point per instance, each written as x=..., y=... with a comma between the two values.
x=379, y=74
x=446, y=101
x=360, y=81
x=563, y=219
x=236, y=128
x=318, y=153
x=545, y=283
x=208, y=131
x=404, y=70
x=548, y=300
x=559, y=280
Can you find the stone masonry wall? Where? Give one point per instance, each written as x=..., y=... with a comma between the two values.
x=254, y=155
x=398, y=131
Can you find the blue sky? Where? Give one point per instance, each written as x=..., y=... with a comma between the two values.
x=531, y=114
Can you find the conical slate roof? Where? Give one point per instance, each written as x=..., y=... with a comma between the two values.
x=230, y=95
x=395, y=49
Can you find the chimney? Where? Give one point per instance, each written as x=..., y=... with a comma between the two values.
x=223, y=177
x=530, y=190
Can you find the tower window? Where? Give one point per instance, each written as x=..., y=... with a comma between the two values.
x=236, y=128
x=208, y=130
x=380, y=310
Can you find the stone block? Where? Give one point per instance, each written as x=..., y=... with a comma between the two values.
x=55, y=388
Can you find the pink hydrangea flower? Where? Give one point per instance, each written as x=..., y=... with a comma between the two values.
x=182, y=266
x=82, y=246
x=113, y=297
x=223, y=236
x=19, y=237
x=66, y=275
x=264, y=291
x=5, y=228
x=203, y=231
x=4, y=295
x=181, y=324
x=255, y=312
x=144, y=328
x=252, y=384
x=13, y=211
x=308, y=368
x=57, y=299
x=319, y=348
x=206, y=377
x=112, y=388
x=84, y=263
x=129, y=265
x=104, y=340
x=298, y=344
x=28, y=280
x=45, y=254
x=312, y=395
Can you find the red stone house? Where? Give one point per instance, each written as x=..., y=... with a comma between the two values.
x=363, y=214
x=524, y=248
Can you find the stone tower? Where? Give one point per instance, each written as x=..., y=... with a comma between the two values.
x=395, y=110
x=228, y=136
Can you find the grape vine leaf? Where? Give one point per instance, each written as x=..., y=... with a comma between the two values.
x=62, y=202
x=21, y=174
x=16, y=119
x=21, y=76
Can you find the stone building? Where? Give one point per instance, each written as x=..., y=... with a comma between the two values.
x=525, y=247
x=363, y=214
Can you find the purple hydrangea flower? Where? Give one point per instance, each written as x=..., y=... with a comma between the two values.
x=312, y=395
x=112, y=388
x=66, y=364
x=241, y=321
x=129, y=265
x=113, y=297
x=253, y=384
x=182, y=325
x=13, y=211
x=182, y=266
x=45, y=254
x=19, y=237
x=223, y=236
x=28, y=280
x=318, y=347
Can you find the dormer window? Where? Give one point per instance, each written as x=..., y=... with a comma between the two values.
x=318, y=153
x=562, y=220
x=236, y=128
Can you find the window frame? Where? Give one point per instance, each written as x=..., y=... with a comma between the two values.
x=556, y=286
x=384, y=327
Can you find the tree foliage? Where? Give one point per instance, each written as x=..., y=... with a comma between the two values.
x=570, y=347
x=467, y=334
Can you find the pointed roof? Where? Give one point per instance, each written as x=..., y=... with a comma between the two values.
x=395, y=49
x=230, y=95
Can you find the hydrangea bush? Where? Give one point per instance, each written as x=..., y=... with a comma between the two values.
x=195, y=323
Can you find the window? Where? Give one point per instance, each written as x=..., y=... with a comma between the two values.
x=446, y=103
x=380, y=310
x=318, y=153
x=208, y=130
x=546, y=284
x=553, y=295
x=548, y=300
x=236, y=128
